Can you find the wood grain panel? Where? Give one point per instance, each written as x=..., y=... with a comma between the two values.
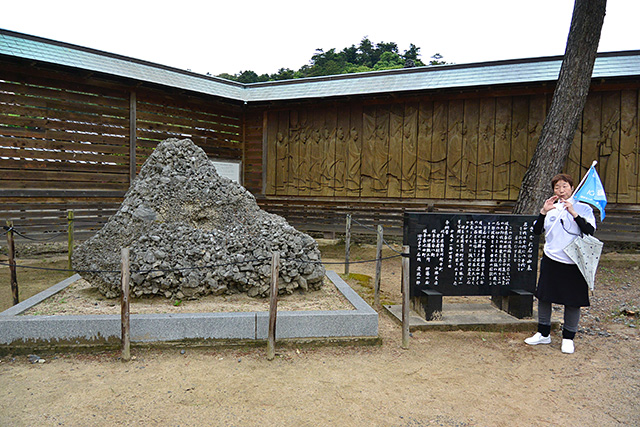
x=368, y=163
x=20, y=166
x=293, y=179
x=304, y=168
x=112, y=119
x=316, y=121
x=470, y=141
x=329, y=151
x=316, y=152
x=282, y=152
x=72, y=82
x=502, y=153
x=610, y=144
x=54, y=91
x=486, y=143
x=424, y=143
x=354, y=151
x=590, y=135
x=62, y=178
x=342, y=155
x=396, y=123
x=409, y=150
x=48, y=182
x=42, y=148
x=454, y=149
x=518, y=161
x=438, y=162
x=381, y=152
x=187, y=127
x=628, y=188
x=272, y=156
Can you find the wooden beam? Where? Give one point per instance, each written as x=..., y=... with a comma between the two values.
x=265, y=144
x=132, y=135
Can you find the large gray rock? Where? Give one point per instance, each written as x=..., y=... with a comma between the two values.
x=206, y=231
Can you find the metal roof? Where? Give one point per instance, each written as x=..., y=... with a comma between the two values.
x=39, y=49
x=614, y=64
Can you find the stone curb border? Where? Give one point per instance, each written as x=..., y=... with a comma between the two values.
x=145, y=328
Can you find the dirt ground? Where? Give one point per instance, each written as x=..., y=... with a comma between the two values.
x=456, y=378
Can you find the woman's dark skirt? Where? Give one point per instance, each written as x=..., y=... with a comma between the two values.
x=561, y=283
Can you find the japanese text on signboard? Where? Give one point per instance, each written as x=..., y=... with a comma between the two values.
x=466, y=251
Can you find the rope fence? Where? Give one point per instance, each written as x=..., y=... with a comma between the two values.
x=205, y=267
x=10, y=231
x=376, y=231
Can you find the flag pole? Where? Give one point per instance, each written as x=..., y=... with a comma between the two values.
x=584, y=178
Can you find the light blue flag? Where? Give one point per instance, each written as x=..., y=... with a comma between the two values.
x=592, y=192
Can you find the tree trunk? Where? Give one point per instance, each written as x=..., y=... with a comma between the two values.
x=566, y=108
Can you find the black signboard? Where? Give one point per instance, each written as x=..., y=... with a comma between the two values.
x=471, y=254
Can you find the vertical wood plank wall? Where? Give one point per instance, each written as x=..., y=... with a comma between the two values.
x=476, y=148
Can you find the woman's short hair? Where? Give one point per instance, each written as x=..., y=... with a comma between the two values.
x=561, y=177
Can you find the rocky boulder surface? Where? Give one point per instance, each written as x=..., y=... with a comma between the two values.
x=192, y=233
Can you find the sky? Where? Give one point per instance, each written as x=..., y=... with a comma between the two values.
x=228, y=37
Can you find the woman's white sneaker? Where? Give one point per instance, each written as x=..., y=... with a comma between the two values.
x=539, y=339
x=567, y=346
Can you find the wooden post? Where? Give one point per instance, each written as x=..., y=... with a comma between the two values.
x=126, y=335
x=273, y=306
x=265, y=149
x=133, y=135
x=378, y=267
x=347, y=245
x=12, y=263
x=70, y=227
x=405, y=297
x=244, y=148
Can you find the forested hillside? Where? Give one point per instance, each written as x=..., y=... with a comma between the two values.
x=367, y=56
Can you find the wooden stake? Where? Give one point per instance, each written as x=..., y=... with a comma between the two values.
x=12, y=263
x=378, y=267
x=273, y=306
x=126, y=333
x=347, y=245
x=405, y=297
x=70, y=227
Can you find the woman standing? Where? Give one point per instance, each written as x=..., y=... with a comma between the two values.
x=560, y=279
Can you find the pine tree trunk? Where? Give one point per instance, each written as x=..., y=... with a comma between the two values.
x=566, y=108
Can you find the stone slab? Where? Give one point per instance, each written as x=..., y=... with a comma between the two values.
x=179, y=326
x=467, y=316
x=325, y=324
x=38, y=298
x=16, y=330
x=361, y=322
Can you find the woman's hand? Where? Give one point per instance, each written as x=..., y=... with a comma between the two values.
x=569, y=207
x=548, y=205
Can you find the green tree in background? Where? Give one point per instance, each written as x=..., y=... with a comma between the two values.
x=367, y=56
x=326, y=63
x=389, y=61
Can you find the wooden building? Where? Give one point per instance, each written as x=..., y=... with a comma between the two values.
x=76, y=124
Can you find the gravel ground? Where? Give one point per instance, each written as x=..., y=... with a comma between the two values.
x=459, y=378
